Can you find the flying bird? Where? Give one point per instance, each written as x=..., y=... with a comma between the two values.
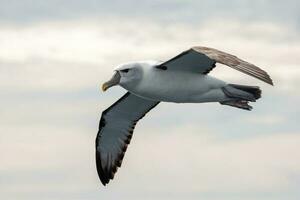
x=182, y=79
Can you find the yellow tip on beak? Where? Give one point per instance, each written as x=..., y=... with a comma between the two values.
x=104, y=87
x=112, y=82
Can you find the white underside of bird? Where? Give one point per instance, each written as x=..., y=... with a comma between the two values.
x=182, y=79
x=175, y=85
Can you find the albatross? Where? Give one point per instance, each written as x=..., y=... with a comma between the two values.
x=182, y=79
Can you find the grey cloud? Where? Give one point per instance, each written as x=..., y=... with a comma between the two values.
x=28, y=11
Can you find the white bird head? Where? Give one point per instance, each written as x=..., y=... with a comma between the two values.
x=126, y=75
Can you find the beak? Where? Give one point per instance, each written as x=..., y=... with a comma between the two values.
x=115, y=80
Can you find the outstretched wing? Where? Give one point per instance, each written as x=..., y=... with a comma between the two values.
x=204, y=59
x=115, y=131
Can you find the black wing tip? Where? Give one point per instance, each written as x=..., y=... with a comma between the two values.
x=104, y=182
x=271, y=82
x=101, y=174
x=268, y=80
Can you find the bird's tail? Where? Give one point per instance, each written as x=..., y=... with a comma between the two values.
x=240, y=95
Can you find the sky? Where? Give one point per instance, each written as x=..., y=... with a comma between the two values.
x=54, y=55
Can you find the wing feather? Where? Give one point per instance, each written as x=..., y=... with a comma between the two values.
x=115, y=132
x=235, y=63
x=203, y=60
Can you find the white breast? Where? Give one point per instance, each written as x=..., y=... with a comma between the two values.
x=174, y=85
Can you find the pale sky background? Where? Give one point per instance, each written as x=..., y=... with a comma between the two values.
x=55, y=54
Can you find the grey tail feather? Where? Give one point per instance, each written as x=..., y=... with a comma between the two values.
x=254, y=90
x=240, y=95
x=242, y=104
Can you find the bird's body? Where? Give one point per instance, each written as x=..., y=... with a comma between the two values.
x=189, y=87
x=182, y=79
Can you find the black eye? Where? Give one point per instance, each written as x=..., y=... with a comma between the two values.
x=125, y=70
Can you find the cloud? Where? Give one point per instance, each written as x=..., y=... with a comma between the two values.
x=267, y=119
x=198, y=162
x=77, y=55
x=168, y=11
x=180, y=161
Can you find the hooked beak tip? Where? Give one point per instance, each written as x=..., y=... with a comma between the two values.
x=104, y=87
x=112, y=82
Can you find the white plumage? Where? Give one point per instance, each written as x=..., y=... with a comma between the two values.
x=175, y=85
x=182, y=79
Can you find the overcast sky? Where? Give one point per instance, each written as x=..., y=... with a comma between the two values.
x=54, y=55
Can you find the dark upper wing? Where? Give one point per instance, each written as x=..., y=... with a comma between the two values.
x=203, y=59
x=115, y=131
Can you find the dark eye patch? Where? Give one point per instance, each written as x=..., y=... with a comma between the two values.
x=125, y=70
